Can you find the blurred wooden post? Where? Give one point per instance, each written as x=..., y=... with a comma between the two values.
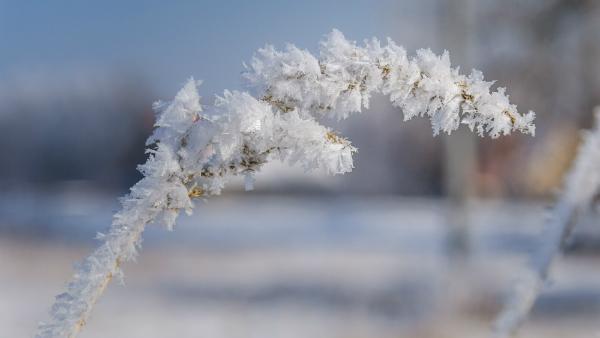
x=460, y=151
x=589, y=41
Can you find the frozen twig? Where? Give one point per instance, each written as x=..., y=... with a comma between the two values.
x=581, y=185
x=342, y=80
x=194, y=152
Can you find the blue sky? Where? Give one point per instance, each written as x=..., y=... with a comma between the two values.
x=168, y=41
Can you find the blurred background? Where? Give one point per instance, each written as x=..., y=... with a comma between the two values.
x=424, y=239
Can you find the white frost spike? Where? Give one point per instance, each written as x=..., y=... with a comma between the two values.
x=583, y=181
x=581, y=186
x=194, y=152
x=174, y=117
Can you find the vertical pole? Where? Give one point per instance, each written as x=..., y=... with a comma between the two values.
x=460, y=149
x=589, y=53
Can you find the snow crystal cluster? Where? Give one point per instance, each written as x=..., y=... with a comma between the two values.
x=581, y=187
x=341, y=81
x=193, y=151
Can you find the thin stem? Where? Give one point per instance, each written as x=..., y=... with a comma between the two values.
x=581, y=185
x=528, y=287
x=73, y=308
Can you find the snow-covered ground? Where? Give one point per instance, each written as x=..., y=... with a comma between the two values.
x=264, y=266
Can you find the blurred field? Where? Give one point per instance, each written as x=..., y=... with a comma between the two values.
x=258, y=266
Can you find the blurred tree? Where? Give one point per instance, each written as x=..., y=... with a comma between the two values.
x=90, y=131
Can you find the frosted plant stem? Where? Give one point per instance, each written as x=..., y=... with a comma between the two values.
x=73, y=308
x=103, y=283
x=581, y=185
x=193, y=153
x=556, y=231
x=95, y=295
